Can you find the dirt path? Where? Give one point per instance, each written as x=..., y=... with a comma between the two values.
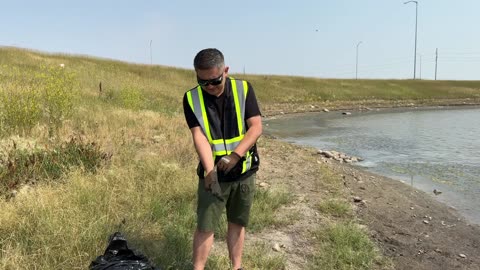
x=409, y=226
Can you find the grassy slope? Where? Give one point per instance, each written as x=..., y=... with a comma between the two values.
x=150, y=183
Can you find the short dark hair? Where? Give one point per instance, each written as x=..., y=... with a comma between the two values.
x=208, y=58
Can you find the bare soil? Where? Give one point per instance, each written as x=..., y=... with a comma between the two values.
x=409, y=226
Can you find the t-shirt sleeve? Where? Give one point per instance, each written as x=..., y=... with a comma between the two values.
x=189, y=115
x=251, y=104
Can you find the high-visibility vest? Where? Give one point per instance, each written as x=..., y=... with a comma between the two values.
x=223, y=142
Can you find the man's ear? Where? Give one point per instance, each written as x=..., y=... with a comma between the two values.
x=226, y=70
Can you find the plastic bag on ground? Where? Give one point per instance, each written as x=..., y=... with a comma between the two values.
x=118, y=256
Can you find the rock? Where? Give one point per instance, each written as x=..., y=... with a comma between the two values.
x=263, y=184
x=346, y=113
x=325, y=110
x=461, y=255
x=328, y=154
x=357, y=199
x=276, y=247
x=437, y=192
x=426, y=222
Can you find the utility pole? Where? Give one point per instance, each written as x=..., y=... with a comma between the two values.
x=356, y=62
x=436, y=62
x=151, y=62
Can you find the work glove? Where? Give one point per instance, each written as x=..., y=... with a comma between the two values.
x=212, y=185
x=227, y=163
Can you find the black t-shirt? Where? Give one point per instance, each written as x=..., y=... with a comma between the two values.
x=251, y=105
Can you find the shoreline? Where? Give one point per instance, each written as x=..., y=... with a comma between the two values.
x=276, y=110
x=409, y=226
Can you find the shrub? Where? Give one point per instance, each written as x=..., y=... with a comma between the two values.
x=59, y=92
x=131, y=98
x=28, y=98
x=21, y=166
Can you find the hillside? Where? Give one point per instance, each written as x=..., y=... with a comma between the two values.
x=89, y=146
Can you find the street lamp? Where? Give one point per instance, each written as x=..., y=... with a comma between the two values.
x=356, y=63
x=415, y=53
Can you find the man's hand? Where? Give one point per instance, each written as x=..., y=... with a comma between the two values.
x=227, y=163
x=211, y=183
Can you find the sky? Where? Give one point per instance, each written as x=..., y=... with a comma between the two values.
x=315, y=38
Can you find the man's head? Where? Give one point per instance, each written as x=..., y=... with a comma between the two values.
x=211, y=71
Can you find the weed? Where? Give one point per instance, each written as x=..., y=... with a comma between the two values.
x=22, y=167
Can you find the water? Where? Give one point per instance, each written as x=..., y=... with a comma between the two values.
x=429, y=149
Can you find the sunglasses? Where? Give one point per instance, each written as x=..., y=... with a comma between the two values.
x=216, y=81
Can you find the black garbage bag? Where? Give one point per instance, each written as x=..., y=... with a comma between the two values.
x=118, y=256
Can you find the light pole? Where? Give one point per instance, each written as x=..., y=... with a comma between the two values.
x=415, y=53
x=151, y=52
x=356, y=63
x=420, y=66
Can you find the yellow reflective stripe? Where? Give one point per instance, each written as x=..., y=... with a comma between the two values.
x=217, y=141
x=204, y=114
x=247, y=163
x=189, y=98
x=236, y=139
x=245, y=88
x=237, y=107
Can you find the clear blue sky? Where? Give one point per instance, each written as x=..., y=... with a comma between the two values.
x=306, y=38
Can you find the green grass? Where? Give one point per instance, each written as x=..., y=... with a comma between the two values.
x=345, y=246
x=141, y=167
x=335, y=207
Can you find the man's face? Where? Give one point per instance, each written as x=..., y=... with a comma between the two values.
x=212, y=80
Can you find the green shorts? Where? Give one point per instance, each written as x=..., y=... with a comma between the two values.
x=237, y=200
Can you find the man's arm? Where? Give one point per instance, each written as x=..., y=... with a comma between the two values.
x=253, y=133
x=203, y=148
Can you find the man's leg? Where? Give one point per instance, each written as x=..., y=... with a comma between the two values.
x=202, y=243
x=235, y=239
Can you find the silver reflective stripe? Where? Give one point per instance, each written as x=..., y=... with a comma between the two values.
x=197, y=109
x=239, y=96
x=241, y=90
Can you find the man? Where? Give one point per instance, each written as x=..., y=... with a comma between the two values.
x=224, y=118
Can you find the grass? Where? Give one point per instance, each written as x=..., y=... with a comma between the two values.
x=345, y=246
x=28, y=167
x=335, y=208
x=131, y=165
